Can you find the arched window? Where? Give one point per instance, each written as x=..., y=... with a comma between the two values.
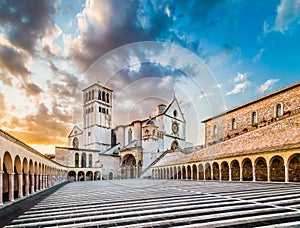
x=233, y=124
x=93, y=94
x=147, y=132
x=86, y=96
x=279, y=110
x=83, y=160
x=107, y=98
x=76, y=160
x=103, y=96
x=75, y=143
x=254, y=118
x=129, y=135
x=90, y=160
x=215, y=129
x=153, y=132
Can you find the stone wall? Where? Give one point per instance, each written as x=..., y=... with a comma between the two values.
x=265, y=107
x=281, y=134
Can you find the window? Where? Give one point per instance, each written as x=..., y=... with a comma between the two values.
x=86, y=96
x=215, y=129
x=279, y=110
x=76, y=160
x=153, y=132
x=83, y=160
x=233, y=124
x=107, y=111
x=254, y=118
x=90, y=160
x=89, y=133
x=129, y=135
x=92, y=109
x=103, y=96
x=107, y=98
x=99, y=109
x=103, y=110
x=90, y=95
x=93, y=94
x=75, y=143
x=175, y=113
x=147, y=132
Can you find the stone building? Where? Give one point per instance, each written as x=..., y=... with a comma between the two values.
x=257, y=141
x=125, y=151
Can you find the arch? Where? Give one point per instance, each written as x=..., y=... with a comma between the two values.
x=184, y=173
x=254, y=118
x=174, y=145
x=97, y=175
x=99, y=94
x=89, y=176
x=128, y=166
x=233, y=124
x=215, y=129
x=18, y=165
x=294, y=168
x=207, y=171
x=103, y=96
x=83, y=160
x=216, y=171
x=71, y=175
x=247, y=171
x=179, y=173
x=194, y=175
x=75, y=143
x=189, y=172
x=107, y=97
x=90, y=160
x=224, y=171
x=201, y=172
x=261, y=169
x=81, y=176
x=277, y=169
x=278, y=110
x=7, y=160
x=111, y=176
x=235, y=170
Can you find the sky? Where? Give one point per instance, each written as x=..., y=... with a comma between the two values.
x=210, y=55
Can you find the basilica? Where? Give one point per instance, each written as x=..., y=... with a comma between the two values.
x=125, y=151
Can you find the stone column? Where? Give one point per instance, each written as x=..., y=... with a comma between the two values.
x=46, y=181
x=11, y=186
x=36, y=182
x=204, y=173
x=1, y=187
x=32, y=183
x=20, y=187
x=268, y=173
x=241, y=173
x=286, y=173
x=230, y=173
x=26, y=184
x=212, y=172
x=41, y=181
x=254, y=172
x=220, y=175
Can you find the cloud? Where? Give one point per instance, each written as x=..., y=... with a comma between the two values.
x=240, y=77
x=238, y=88
x=6, y=79
x=26, y=21
x=14, y=61
x=2, y=106
x=259, y=55
x=288, y=15
x=267, y=85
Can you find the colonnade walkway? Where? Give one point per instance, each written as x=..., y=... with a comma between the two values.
x=157, y=203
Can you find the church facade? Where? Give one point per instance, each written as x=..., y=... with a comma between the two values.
x=100, y=151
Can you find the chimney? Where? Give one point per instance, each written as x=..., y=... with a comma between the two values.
x=161, y=109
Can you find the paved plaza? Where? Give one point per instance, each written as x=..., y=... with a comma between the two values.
x=166, y=203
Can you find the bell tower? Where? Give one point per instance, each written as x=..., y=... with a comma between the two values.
x=97, y=111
